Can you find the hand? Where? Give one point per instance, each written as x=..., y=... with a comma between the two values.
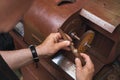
x=84, y=72
x=52, y=44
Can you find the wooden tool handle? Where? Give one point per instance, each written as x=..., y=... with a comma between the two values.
x=74, y=51
x=63, y=34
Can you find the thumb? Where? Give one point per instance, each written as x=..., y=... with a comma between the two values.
x=62, y=44
x=78, y=64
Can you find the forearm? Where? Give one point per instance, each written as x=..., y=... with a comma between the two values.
x=17, y=58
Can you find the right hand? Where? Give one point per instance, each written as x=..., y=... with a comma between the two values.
x=84, y=72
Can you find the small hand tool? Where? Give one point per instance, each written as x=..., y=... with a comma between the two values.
x=74, y=50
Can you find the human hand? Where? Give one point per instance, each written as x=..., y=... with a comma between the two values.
x=52, y=44
x=84, y=72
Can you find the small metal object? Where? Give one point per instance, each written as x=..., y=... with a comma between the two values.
x=74, y=35
x=86, y=44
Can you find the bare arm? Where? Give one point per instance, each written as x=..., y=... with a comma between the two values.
x=17, y=58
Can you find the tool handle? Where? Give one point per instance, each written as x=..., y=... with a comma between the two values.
x=74, y=51
x=63, y=34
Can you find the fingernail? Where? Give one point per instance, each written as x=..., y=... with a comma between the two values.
x=67, y=42
x=76, y=59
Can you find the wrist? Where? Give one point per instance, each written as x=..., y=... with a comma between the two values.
x=39, y=50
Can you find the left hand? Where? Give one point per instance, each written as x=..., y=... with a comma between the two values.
x=52, y=44
x=84, y=72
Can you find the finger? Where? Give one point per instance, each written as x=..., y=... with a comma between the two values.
x=62, y=44
x=78, y=64
x=86, y=58
x=55, y=37
x=67, y=48
x=58, y=36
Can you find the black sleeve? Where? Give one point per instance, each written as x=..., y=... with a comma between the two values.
x=6, y=42
x=5, y=72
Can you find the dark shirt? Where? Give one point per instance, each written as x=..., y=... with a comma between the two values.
x=6, y=41
x=5, y=71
